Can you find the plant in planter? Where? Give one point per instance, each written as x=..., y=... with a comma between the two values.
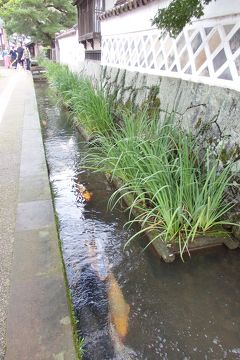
x=176, y=193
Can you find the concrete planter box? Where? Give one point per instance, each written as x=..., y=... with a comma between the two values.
x=169, y=252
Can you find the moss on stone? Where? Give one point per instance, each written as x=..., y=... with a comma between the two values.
x=128, y=105
x=152, y=102
x=230, y=154
x=104, y=72
x=116, y=77
x=134, y=96
x=198, y=123
x=223, y=155
x=76, y=339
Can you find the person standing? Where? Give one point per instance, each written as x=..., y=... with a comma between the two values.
x=13, y=57
x=20, y=54
x=26, y=57
x=6, y=58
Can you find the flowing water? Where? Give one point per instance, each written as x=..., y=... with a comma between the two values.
x=130, y=304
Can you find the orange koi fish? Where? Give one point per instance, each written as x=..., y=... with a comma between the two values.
x=87, y=195
x=119, y=309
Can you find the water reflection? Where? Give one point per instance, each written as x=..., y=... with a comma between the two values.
x=167, y=311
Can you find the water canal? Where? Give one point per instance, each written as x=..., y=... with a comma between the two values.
x=129, y=304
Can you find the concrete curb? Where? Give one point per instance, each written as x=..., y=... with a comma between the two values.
x=38, y=325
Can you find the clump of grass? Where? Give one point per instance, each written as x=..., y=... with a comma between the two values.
x=81, y=344
x=92, y=107
x=177, y=193
x=88, y=104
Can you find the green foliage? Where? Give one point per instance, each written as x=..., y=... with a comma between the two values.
x=38, y=19
x=180, y=12
x=177, y=193
x=177, y=190
x=81, y=343
x=88, y=103
x=3, y=2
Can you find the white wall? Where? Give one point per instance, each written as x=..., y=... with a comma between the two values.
x=140, y=19
x=109, y=4
x=136, y=20
x=70, y=52
x=218, y=8
x=208, y=50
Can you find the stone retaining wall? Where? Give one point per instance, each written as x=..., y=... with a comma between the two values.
x=211, y=111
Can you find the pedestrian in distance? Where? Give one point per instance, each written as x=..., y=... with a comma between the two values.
x=26, y=58
x=20, y=59
x=13, y=57
x=6, y=58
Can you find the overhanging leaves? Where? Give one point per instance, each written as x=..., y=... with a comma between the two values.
x=38, y=19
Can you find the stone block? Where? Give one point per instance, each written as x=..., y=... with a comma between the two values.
x=34, y=214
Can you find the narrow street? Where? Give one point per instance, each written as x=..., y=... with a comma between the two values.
x=34, y=315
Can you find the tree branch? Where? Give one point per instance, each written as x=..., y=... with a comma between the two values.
x=57, y=8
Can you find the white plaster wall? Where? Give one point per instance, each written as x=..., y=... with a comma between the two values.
x=207, y=51
x=140, y=19
x=133, y=21
x=71, y=52
x=109, y=4
x=219, y=8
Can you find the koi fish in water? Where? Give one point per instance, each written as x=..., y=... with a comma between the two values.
x=119, y=309
x=87, y=195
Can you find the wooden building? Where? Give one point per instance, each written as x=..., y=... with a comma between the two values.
x=89, y=30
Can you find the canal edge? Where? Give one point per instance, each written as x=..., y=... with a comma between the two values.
x=39, y=324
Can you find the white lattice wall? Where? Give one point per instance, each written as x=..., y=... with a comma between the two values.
x=207, y=51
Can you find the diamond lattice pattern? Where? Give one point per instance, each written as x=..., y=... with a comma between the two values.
x=206, y=51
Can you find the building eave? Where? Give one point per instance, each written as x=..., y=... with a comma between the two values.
x=66, y=33
x=120, y=9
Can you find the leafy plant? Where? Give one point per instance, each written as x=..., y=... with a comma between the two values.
x=80, y=345
x=92, y=108
x=176, y=192
x=179, y=12
x=38, y=19
x=176, y=189
x=88, y=103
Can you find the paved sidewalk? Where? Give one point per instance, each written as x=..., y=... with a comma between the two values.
x=33, y=302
